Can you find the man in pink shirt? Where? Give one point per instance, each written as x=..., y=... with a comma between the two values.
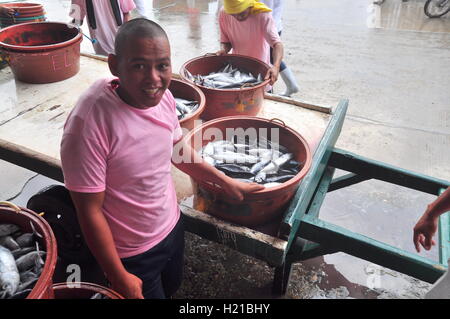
x=104, y=18
x=116, y=155
x=247, y=28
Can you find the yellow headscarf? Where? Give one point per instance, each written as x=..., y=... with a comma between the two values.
x=237, y=6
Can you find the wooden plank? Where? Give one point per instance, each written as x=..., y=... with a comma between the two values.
x=29, y=159
x=245, y=240
x=313, y=250
x=278, y=98
x=345, y=181
x=303, y=196
x=374, y=169
x=94, y=56
x=369, y=249
x=310, y=249
x=444, y=238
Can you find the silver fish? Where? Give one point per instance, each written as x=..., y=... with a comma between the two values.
x=273, y=166
x=185, y=107
x=25, y=240
x=259, y=166
x=278, y=179
x=22, y=251
x=35, y=232
x=8, y=229
x=273, y=184
x=28, y=284
x=228, y=77
x=9, y=273
x=211, y=161
x=30, y=260
x=21, y=294
x=237, y=158
x=28, y=275
x=9, y=242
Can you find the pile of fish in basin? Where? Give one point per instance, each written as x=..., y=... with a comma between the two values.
x=229, y=77
x=21, y=261
x=185, y=107
x=260, y=160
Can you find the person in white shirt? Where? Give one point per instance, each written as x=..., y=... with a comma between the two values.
x=140, y=6
x=285, y=72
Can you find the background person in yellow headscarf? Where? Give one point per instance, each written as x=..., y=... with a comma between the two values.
x=247, y=28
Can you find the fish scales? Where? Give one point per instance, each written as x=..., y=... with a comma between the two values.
x=9, y=273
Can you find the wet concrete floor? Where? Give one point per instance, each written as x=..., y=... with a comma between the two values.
x=390, y=61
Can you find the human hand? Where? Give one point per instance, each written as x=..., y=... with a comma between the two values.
x=221, y=52
x=237, y=190
x=5, y=11
x=128, y=285
x=272, y=74
x=424, y=231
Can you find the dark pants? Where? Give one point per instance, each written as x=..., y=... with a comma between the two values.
x=161, y=267
x=282, y=64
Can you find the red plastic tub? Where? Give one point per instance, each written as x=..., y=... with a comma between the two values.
x=185, y=90
x=263, y=206
x=82, y=290
x=25, y=13
x=22, y=217
x=24, y=7
x=41, y=52
x=227, y=102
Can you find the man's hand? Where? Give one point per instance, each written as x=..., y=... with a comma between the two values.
x=221, y=52
x=225, y=47
x=5, y=11
x=128, y=285
x=237, y=190
x=272, y=74
x=424, y=231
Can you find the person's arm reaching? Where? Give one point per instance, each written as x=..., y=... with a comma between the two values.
x=272, y=74
x=193, y=165
x=127, y=6
x=126, y=17
x=100, y=241
x=225, y=47
x=7, y=12
x=427, y=225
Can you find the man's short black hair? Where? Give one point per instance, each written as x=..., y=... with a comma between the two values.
x=139, y=27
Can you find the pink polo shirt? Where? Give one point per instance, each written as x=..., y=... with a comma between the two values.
x=252, y=37
x=109, y=146
x=107, y=27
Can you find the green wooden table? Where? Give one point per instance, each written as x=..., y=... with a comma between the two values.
x=301, y=234
x=31, y=130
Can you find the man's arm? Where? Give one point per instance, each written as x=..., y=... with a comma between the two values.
x=126, y=17
x=427, y=225
x=225, y=47
x=194, y=165
x=272, y=74
x=7, y=12
x=100, y=241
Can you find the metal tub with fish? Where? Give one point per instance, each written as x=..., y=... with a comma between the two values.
x=296, y=234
